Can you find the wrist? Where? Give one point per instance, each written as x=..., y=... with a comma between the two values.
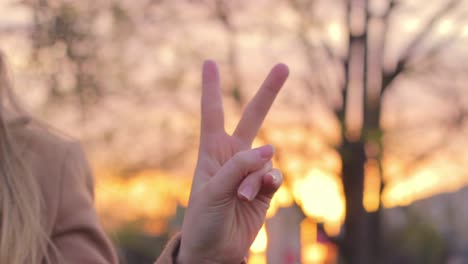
x=181, y=257
x=185, y=257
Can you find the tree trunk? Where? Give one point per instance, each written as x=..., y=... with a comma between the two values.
x=374, y=137
x=355, y=243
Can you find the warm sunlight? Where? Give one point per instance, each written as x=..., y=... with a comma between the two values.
x=260, y=243
x=257, y=259
x=150, y=195
x=258, y=248
x=335, y=32
x=446, y=26
x=411, y=24
x=315, y=253
x=282, y=198
x=320, y=196
x=371, y=186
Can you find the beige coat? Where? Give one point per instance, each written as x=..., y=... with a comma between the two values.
x=66, y=183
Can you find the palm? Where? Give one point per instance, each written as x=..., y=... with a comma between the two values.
x=231, y=222
x=238, y=219
x=249, y=215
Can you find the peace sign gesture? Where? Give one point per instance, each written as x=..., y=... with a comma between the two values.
x=233, y=184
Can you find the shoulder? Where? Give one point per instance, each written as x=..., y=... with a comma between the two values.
x=63, y=174
x=46, y=152
x=43, y=141
x=50, y=157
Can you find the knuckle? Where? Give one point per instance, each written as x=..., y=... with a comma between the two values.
x=265, y=169
x=249, y=180
x=241, y=159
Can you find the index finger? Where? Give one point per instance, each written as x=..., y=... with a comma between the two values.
x=212, y=118
x=258, y=107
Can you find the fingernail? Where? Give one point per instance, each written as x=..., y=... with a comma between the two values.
x=275, y=176
x=266, y=152
x=247, y=192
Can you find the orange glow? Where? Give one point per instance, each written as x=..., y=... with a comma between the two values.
x=320, y=196
x=295, y=164
x=155, y=227
x=371, y=198
x=282, y=198
x=403, y=187
x=257, y=259
x=422, y=183
x=333, y=228
x=308, y=231
x=314, y=253
x=314, y=184
x=150, y=195
x=260, y=243
x=331, y=161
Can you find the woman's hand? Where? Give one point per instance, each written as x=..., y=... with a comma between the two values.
x=233, y=184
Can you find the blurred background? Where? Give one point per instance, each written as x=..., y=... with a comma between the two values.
x=371, y=130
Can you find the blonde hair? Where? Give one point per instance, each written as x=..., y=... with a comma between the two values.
x=22, y=235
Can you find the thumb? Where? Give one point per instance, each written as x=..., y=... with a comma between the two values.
x=231, y=174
